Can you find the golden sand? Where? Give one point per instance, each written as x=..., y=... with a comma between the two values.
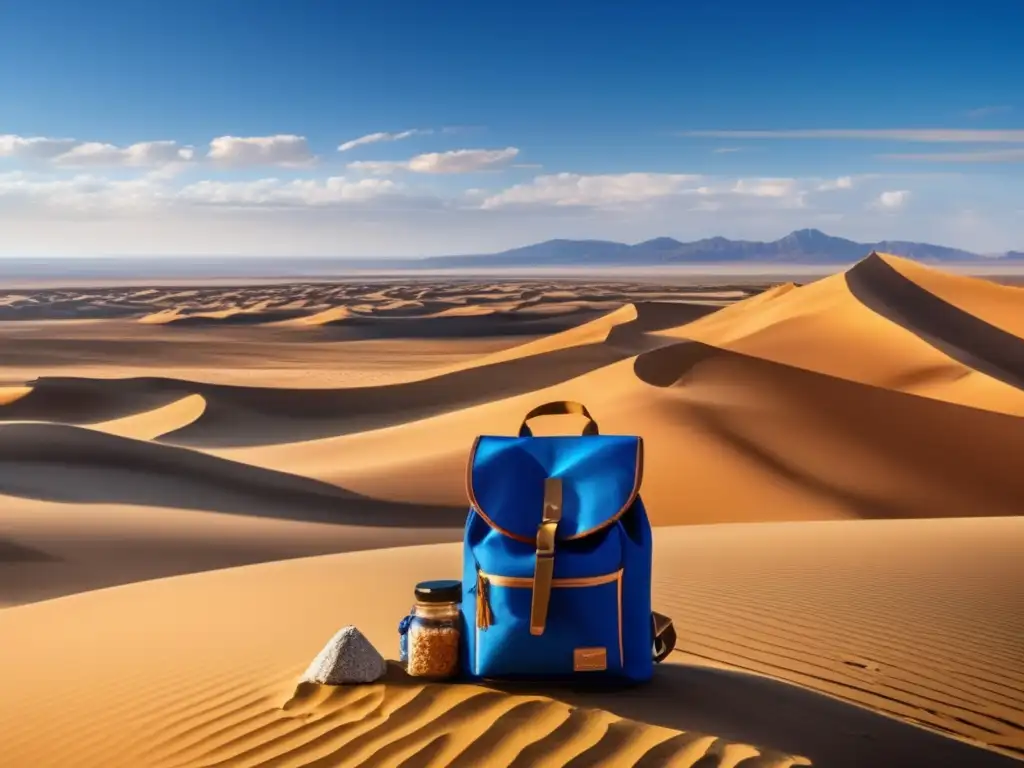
x=165, y=476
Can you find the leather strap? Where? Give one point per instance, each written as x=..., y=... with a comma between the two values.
x=559, y=408
x=664, y=636
x=544, y=568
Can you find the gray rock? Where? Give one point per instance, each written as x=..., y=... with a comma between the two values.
x=348, y=658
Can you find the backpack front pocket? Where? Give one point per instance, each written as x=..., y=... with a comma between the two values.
x=583, y=631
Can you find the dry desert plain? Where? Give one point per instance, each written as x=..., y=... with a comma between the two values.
x=199, y=485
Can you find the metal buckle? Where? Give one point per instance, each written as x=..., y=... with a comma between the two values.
x=546, y=538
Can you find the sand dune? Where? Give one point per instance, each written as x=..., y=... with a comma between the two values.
x=149, y=425
x=246, y=415
x=246, y=355
x=996, y=304
x=268, y=304
x=964, y=337
x=153, y=692
x=325, y=317
x=861, y=434
x=592, y=332
x=800, y=445
x=106, y=468
x=828, y=326
x=236, y=415
x=10, y=394
x=747, y=454
x=232, y=316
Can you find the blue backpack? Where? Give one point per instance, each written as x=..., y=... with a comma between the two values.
x=556, y=576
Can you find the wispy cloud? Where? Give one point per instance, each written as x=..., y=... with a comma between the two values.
x=982, y=112
x=1014, y=155
x=601, y=190
x=455, y=161
x=937, y=135
x=726, y=150
x=376, y=138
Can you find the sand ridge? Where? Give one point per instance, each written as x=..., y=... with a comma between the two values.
x=989, y=301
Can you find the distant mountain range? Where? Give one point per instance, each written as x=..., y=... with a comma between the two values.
x=808, y=247
x=805, y=246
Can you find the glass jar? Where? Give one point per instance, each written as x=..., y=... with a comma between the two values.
x=435, y=630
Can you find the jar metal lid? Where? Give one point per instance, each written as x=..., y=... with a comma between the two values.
x=440, y=591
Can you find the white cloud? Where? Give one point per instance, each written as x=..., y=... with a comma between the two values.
x=573, y=189
x=89, y=192
x=454, y=161
x=82, y=192
x=843, y=182
x=75, y=154
x=996, y=156
x=924, y=134
x=893, y=200
x=374, y=138
x=299, y=192
x=86, y=214
x=143, y=154
x=766, y=187
x=33, y=147
x=726, y=150
x=282, y=149
x=461, y=160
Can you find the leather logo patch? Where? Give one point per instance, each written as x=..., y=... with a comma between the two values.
x=589, y=660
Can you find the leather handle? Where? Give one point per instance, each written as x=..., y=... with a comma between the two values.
x=560, y=408
x=664, y=636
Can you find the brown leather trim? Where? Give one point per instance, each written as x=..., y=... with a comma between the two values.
x=525, y=582
x=637, y=479
x=618, y=588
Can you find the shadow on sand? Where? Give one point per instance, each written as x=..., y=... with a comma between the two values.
x=964, y=337
x=772, y=715
x=58, y=462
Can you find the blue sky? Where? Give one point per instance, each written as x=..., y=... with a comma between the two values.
x=214, y=126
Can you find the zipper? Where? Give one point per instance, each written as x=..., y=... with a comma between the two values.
x=485, y=617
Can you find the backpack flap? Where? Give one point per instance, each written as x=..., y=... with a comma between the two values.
x=541, y=491
x=600, y=478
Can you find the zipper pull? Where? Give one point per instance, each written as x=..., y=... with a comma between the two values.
x=484, y=618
